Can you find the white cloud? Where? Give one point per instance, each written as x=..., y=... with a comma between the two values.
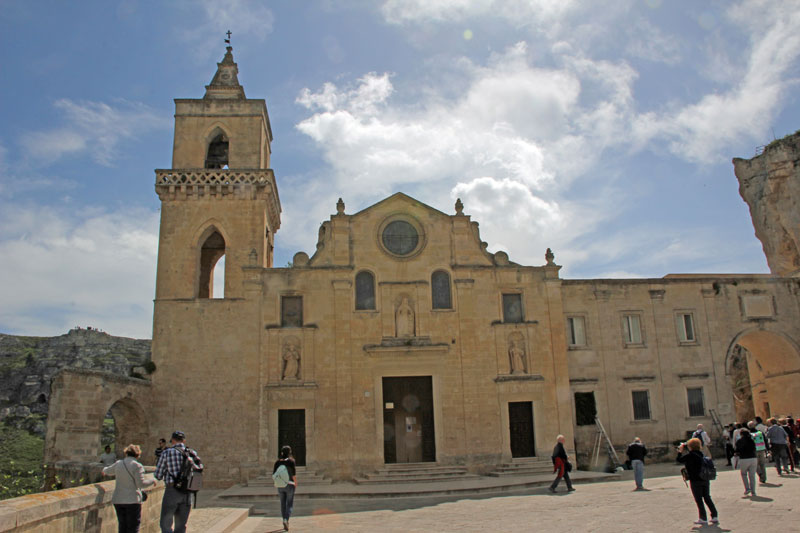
x=699, y=131
x=91, y=268
x=96, y=128
x=247, y=20
x=538, y=13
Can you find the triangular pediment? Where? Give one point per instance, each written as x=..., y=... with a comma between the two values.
x=398, y=200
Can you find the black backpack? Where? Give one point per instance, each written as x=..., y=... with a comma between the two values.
x=190, y=479
x=708, y=471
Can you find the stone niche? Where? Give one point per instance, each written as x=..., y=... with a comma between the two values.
x=290, y=356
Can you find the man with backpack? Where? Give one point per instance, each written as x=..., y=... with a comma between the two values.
x=176, y=466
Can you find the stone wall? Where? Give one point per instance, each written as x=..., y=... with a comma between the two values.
x=85, y=509
x=78, y=405
x=770, y=184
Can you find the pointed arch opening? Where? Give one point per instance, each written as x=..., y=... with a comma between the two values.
x=217, y=153
x=212, y=253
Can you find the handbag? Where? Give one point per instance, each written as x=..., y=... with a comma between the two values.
x=140, y=491
x=568, y=466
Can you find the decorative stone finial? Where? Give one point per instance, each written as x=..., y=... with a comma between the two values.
x=253, y=257
x=549, y=256
x=340, y=207
x=225, y=83
x=459, y=207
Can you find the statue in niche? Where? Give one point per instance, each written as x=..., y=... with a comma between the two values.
x=404, y=319
x=516, y=356
x=291, y=361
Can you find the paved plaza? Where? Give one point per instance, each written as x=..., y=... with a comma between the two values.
x=667, y=506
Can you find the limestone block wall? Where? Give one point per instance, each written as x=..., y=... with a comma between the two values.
x=79, y=402
x=76, y=510
x=207, y=355
x=756, y=310
x=770, y=184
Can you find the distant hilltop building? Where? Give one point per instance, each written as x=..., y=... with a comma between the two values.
x=401, y=339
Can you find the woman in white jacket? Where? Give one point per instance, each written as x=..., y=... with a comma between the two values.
x=127, y=498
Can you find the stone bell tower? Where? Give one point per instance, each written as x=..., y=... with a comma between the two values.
x=220, y=198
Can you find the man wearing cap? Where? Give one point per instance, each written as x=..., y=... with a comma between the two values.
x=176, y=504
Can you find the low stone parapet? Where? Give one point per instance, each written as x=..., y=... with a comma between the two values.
x=75, y=510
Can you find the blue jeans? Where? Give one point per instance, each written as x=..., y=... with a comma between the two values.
x=175, y=505
x=287, y=500
x=638, y=472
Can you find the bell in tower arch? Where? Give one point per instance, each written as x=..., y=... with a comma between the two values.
x=217, y=156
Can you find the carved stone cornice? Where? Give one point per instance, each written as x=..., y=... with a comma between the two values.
x=247, y=184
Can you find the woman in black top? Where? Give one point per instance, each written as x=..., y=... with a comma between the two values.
x=286, y=493
x=701, y=489
x=747, y=462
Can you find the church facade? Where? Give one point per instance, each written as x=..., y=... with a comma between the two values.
x=401, y=339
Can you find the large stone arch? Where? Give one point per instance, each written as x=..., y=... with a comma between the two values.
x=773, y=363
x=79, y=401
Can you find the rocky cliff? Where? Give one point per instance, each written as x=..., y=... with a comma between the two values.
x=770, y=184
x=28, y=364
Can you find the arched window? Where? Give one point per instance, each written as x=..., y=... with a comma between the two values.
x=211, y=252
x=365, y=290
x=217, y=156
x=440, y=290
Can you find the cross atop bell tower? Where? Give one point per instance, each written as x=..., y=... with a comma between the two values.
x=220, y=198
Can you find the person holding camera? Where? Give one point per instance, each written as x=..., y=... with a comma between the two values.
x=691, y=455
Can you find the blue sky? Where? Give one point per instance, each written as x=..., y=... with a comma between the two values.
x=604, y=130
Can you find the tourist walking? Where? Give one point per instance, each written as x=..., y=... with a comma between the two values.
x=177, y=504
x=790, y=447
x=747, y=462
x=162, y=445
x=127, y=497
x=778, y=446
x=108, y=458
x=561, y=465
x=727, y=437
x=284, y=474
x=690, y=454
x=636, y=452
x=761, y=451
x=704, y=439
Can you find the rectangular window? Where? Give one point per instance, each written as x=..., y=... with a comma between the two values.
x=631, y=328
x=585, y=408
x=576, y=333
x=686, y=327
x=291, y=311
x=696, y=403
x=512, y=307
x=641, y=404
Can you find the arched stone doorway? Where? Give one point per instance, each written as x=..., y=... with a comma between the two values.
x=130, y=426
x=773, y=364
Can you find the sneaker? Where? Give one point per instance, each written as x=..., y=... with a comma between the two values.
x=715, y=520
x=286, y=525
x=552, y=490
x=701, y=522
x=570, y=489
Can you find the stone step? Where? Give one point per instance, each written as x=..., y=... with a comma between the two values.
x=416, y=479
x=413, y=466
x=305, y=476
x=523, y=467
x=218, y=519
x=419, y=472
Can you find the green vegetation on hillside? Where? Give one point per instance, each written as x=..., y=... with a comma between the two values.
x=20, y=462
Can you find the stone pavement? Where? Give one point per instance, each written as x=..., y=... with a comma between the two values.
x=667, y=506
